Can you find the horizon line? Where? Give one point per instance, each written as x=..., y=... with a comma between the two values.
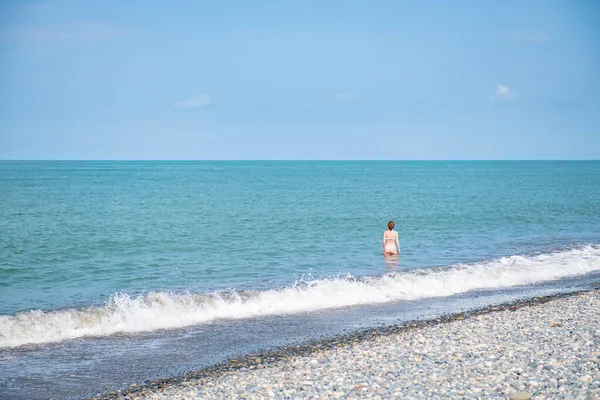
x=294, y=159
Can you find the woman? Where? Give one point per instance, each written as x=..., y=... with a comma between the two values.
x=391, y=244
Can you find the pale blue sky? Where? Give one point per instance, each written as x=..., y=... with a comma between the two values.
x=396, y=79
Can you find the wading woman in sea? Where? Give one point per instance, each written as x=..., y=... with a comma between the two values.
x=391, y=244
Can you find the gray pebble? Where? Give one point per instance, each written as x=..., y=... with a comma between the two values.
x=550, y=349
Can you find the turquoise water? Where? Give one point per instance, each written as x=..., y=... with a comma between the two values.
x=76, y=234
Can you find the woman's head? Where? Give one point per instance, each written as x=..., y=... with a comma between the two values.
x=391, y=225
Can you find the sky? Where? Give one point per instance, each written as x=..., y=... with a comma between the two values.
x=317, y=80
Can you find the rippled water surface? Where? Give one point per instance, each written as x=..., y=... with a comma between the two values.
x=76, y=234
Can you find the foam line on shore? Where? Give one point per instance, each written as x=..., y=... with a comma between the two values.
x=290, y=353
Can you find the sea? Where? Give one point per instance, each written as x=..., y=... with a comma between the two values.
x=115, y=273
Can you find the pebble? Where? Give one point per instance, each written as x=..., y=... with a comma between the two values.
x=521, y=396
x=542, y=350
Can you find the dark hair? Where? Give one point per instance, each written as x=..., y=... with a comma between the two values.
x=391, y=225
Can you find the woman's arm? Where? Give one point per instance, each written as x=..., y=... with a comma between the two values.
x=398, y=242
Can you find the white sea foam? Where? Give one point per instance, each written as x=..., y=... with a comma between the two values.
x=163, y=310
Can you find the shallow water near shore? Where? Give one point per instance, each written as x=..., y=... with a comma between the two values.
x=90, y=366
x=116, y=272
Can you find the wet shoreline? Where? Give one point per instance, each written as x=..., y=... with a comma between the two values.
x=286, y=355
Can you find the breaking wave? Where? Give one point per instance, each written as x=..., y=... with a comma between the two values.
x=164, y=310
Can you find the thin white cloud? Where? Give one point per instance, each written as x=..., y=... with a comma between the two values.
x=65, y=34
x=44, y=6
x=503, y=93
x=200, y=100
x=344, y=96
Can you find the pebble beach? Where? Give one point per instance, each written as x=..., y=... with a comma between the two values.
x=542, y=348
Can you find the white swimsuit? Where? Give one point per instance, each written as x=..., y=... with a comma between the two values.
x=390, y=245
